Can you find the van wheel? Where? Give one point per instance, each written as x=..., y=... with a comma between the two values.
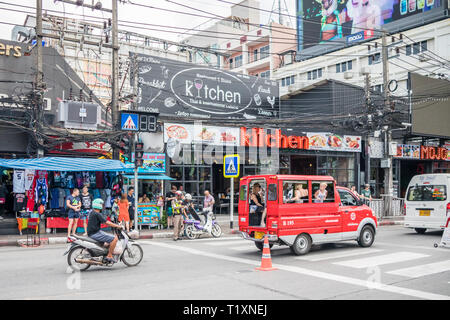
x=420, y=230
x=260, y=245
x=366, y=237
x=302, y=244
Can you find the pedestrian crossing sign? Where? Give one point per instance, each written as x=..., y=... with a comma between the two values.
x=231, y=166
x=129, y=122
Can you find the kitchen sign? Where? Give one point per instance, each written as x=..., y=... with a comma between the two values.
x=170, y=88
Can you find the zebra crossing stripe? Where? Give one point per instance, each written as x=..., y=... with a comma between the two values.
x=381, y=260
x=423, y=270
x=337, y=255
x=224, y=243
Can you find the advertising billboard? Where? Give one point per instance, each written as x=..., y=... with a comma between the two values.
x=320, y=21
x=173, y=88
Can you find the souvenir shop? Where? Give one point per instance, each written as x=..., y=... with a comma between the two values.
x=40, y=187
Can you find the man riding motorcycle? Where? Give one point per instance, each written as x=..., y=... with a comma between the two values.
x=189, y=207
x=96, y=218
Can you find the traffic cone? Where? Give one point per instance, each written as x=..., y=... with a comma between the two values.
x=266, y=260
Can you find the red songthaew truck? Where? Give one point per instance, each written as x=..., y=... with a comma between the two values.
x=299, y=211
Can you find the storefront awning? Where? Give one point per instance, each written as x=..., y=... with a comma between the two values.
x=64, y=164
x=149, y=177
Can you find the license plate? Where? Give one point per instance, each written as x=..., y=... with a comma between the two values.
x=259, y=235
x=424, y=213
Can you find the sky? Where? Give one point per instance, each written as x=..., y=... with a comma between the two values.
x=129, y=12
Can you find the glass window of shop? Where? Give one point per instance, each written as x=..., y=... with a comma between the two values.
x=341, y=168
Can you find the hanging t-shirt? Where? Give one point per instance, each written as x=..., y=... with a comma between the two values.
x=108, y=198
x=57, y=179
x=30, y=200
x=19, y=202
x=61, y=198
x=29, y=179
x=86, y=179
x=79, y=180
x=54, y=202
x=19, y=181
x=63, y=182
x=70, y=180
x=103, y=195
x=97, y=194
x=41, y=191
x=92, y=178
x=99, y=179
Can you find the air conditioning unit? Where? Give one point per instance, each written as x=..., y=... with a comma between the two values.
x=348, y=75
x=364, y=70
x=79, y=115
x=423, y=57
x=47, y=105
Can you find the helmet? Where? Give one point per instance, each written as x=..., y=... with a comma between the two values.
x=188, y=196
x=179, y=193
x=97, y=204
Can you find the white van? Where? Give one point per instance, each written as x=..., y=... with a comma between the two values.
x=427, y=202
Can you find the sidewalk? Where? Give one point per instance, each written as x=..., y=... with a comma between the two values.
x=60, y=238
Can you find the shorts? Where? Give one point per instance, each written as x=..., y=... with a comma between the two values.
x=169, y=211
x=84, y=214
x=102, y=236
x=131, y=214
x=73, y=214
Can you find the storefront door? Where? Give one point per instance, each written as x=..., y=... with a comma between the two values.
x=303, y=165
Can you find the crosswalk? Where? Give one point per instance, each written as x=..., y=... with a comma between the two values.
x=391, y=262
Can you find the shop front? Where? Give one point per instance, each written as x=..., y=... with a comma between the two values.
x=197, y=153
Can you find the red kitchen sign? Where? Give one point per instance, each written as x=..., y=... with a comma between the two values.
x=258, y=137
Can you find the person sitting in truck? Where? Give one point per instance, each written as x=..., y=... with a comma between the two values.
x=257, y=206
x=299, y=193
x=321, y=194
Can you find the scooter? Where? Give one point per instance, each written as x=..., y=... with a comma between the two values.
x=84, y=252
x=194, y=228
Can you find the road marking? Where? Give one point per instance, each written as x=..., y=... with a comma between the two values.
x=411, y=247
x=224, y=243
x=381, y=260
x=312, y=273
x=219, y=239
x=313, y=257
x=244, y=248
x=423, y=270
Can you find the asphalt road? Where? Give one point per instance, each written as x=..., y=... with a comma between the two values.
x=400, y=265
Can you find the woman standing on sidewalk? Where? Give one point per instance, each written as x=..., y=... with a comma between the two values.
x=86, y=206
x=123, y=211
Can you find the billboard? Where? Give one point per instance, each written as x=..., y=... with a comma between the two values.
x=320, y=21
x=430, y=114
x=172, y=88
x=188, y=133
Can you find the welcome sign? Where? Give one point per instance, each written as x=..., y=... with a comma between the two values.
x=170, y=88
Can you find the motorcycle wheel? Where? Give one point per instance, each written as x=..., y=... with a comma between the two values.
x=216, y=230
x=189, y=231
x=76, y=252
x=133, y=259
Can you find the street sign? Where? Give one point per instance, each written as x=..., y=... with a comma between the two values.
x=231, y=166
x=129, y=122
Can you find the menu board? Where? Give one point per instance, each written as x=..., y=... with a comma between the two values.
x=334, y=142
x=188, y=133
x=148, y=214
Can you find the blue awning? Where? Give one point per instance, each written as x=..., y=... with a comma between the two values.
x=64, y=164
x=150, y=177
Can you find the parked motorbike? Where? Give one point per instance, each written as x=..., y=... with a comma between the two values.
x=84, y=252
x=195, y=228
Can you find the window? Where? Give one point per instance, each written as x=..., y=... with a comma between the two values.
x=338, y=68
x=314, y=74
x=322, y=191
x=286, y=81
x=266, y=74
x=255, y=55
x=264, y=52
x=238, y=61
x=416, y=47
x=423, y=46
x=374, y=58
x=231, y=63
x=408, y=50
x=427, y=193
x=347, y=199
x=349, y=65
x=295, y=192
x=243, y=193
x=272, y=192
x=344, y=66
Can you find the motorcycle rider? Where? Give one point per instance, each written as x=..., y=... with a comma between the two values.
x=96, y=218
x=189, y=207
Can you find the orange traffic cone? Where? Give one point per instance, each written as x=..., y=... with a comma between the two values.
x=266, y=260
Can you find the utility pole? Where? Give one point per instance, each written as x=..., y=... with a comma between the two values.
x=369, y=111
x=39, y=81
x=115, y=72
x=388, y=189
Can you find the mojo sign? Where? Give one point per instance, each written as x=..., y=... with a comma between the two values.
x=185, y=90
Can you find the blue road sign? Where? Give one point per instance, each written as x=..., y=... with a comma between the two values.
x=129, y=122
x=231, y=166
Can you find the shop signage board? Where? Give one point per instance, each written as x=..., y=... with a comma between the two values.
x=174, y=88
x=148, y=214
x=231, y=166
x=153, y=162
x=189, y=133
x=419, y=152
x=333, y=142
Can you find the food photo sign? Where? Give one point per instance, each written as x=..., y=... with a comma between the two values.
x=188, y=133
x=334, y=142
x=174, y=88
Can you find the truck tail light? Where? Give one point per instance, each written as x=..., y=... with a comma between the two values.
x=448, y=208
x=404, y=209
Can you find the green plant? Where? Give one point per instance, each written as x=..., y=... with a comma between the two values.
x=163, y=220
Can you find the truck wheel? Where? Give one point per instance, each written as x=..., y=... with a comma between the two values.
x=260, y=245
x=366, y=237
x=420, y=230
x=302, y=244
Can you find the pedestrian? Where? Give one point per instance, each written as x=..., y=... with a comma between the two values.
x=208, y=204
x=144, y=199
x=131, y=208
x=170, y=196
x=124, y=216
x=353, y=189
x=177, y=210
x=86, y=206
x=73, y=204
x=366, y=194
x=115, y=209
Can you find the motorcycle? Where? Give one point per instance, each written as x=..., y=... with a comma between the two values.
x=84, y=252
x=195, y=228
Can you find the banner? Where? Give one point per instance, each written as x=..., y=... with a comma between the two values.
x=174, y=88
x=188, y=133
x=334, y=142
x=148, y=214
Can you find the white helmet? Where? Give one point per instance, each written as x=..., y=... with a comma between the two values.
x=188, y=196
